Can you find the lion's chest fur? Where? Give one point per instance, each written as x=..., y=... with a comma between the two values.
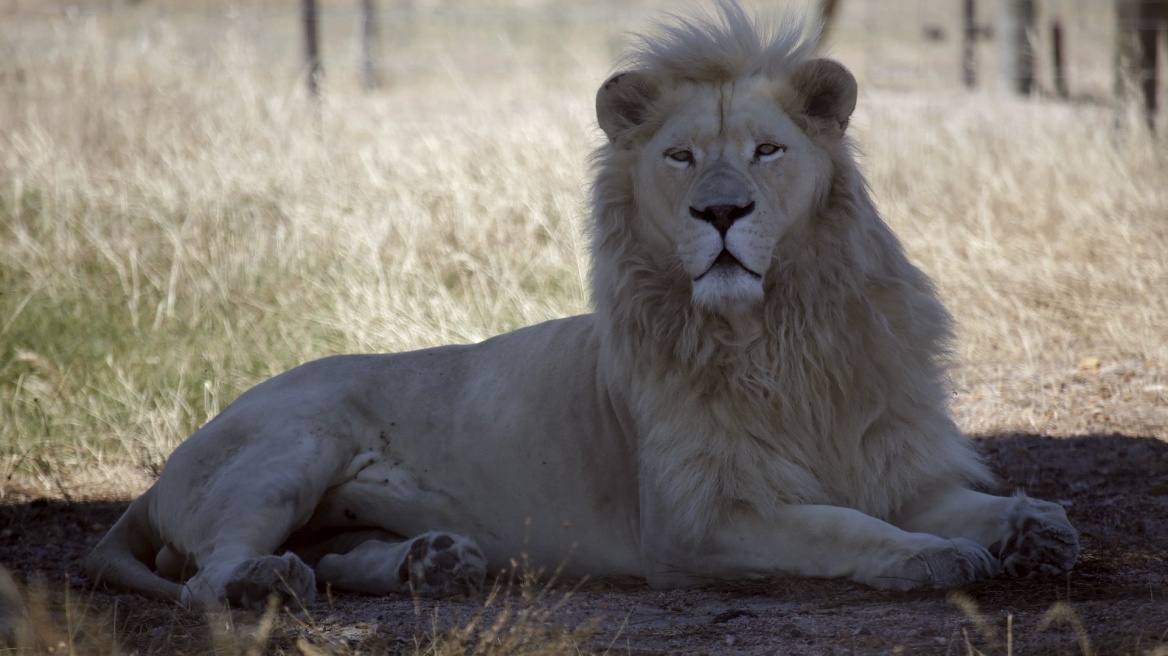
x=759, y=427
x=801, y=405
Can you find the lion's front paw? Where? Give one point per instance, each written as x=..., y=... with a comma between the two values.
x=286, y=577
x=1038, y=539
x=443, y=564
x=946, y=564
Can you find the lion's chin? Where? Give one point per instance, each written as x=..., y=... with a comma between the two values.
x=728, y=291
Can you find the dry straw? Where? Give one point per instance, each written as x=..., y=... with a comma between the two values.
x=178, y=223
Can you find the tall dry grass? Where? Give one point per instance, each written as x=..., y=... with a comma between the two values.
x=177, y=222
x=173, y=233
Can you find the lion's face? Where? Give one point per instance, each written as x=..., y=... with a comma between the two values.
x=719, y=185
x=724, y=170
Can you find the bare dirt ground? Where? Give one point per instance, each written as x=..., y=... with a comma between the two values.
x=1114, y=486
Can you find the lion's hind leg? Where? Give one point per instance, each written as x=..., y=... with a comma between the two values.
x=126, y=557
x=232, y=526
x=434, y=564
x=249, y=582
x=286, y=576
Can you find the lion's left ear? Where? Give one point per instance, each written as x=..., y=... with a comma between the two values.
x=827, y=89
x=623, y=102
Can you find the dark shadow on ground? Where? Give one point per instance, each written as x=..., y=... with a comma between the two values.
x=1115, y=489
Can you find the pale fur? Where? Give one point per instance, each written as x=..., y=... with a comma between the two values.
x=798, y=428
x=770, y=388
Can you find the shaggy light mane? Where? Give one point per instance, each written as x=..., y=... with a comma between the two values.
x=788, y=402
x=722, y=45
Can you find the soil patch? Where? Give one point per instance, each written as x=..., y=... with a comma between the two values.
x=1115, y=489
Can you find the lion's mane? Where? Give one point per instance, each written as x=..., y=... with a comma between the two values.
x=839, y=395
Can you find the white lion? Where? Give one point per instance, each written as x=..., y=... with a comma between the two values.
x=759, y=392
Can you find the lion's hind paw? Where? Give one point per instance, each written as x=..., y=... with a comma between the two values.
x=443, y=564
x=287, y=577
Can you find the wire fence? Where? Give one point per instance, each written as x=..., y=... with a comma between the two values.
x=1077, y=49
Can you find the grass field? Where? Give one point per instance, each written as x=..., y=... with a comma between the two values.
x=178, y=222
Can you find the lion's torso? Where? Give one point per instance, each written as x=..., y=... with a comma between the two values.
x=513, y=440
x=656, y=418
x=539, y=441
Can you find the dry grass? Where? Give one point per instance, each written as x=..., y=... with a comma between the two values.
x=172, y=233
x=179, y=223
x=520, y=615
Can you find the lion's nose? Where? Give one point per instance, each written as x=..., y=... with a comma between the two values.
x=722, y=216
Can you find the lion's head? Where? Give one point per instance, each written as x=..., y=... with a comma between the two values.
x=722, y=145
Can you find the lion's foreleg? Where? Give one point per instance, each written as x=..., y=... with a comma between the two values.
x=1027, y=535
x=817, y=541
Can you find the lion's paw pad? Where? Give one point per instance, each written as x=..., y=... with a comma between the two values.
x=286, y=577
x=949, y=564
x=1039, y=540
x=443, y=564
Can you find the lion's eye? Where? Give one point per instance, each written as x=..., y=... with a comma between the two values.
x=680, y=157
x=768, y=151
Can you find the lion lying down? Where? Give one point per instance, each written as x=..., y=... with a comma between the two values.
x=759, y=391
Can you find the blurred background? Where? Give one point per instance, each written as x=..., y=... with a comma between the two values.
x=191, y=202
x=1081, y=49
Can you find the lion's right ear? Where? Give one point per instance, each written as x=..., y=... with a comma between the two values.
x=828, y=91
x=622, y=103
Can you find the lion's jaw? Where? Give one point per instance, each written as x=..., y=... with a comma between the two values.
x=720, y=184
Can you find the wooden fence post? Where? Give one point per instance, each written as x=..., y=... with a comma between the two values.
x=1057, y=60
x=1153, y=20
x=312, y=47
x=369, y=76
x=1016, y=19
x=969, y=36
x=827, y=13
x=1139, y=25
